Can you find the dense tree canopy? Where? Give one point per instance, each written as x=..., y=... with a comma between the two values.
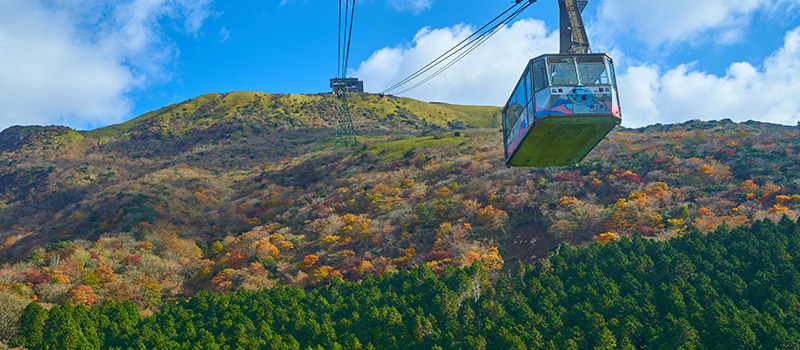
x=732, y=288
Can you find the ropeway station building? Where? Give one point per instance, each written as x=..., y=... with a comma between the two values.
x=352, y=85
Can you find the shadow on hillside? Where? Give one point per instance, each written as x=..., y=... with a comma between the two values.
x=530, y=242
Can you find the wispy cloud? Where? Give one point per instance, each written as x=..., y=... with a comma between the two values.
x=414, y=6
x=74, y=61
x=224, y=34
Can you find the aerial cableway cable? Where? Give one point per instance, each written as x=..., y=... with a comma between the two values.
x=345, y=131
x=469, y=49
x=345, y=34
x=445, y=55
x=463, y=48
x=349, y=35
x=339, y=48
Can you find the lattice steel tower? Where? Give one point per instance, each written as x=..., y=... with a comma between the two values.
x=345, y=132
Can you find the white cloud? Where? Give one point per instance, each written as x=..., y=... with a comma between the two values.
x=73, y=61
x=765, y=93
x=224, y=35
x=415, y=6
x=676, y=21
x=484, y=77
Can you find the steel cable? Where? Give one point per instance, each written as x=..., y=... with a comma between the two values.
x=471, y=44
x=349, y=36
x=463, y=54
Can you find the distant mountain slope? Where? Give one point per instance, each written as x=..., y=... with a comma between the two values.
x=242, y=190
x=57, y=170
x=294, y=111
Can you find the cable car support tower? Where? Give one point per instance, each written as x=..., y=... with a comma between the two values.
x=345, y=132
x=571, y=30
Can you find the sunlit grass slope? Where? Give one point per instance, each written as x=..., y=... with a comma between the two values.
x=296, y=110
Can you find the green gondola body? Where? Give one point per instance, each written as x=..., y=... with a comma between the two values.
x=562, y=107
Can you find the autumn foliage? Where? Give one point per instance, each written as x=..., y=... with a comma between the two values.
x=81, y=295
x=250, y=199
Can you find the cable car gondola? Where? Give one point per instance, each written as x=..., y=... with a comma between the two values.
x=563, y=104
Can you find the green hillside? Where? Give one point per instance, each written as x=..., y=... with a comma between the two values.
x=298, y=111
x=242, y=190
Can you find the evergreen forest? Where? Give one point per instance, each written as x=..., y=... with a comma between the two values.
x=730, y=289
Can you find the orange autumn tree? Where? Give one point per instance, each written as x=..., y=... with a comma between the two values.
x=81, y=295
x=706, y=220
x=105, y=275
x=8, y=242
x=309, y=263
x=472, y=256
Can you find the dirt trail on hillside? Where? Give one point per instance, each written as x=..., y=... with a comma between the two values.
x=530, y=242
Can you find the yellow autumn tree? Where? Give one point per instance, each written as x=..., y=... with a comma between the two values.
x=355, y=226
x=492, y=259
x=384, y=197
x=492, y=217
x=777, y=208
x=676, y=224
x=321, y=275
x=442, y=192
x=330, y=241
x=172, y=245
x=607, y=237
x=714, y=172
x=782, y=199
x=403, y=260
x=576, y=220
x=265, y=250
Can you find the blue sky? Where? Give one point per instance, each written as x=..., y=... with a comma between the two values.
x=91, y=63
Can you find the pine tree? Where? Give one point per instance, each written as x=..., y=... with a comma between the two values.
x=31, y=329
x=62, y=331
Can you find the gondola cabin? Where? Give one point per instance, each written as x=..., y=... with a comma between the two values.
x=562, y=106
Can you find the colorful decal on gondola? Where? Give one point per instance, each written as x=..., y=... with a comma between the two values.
x=582, y=101
x=518, y=132
x=576, y=100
